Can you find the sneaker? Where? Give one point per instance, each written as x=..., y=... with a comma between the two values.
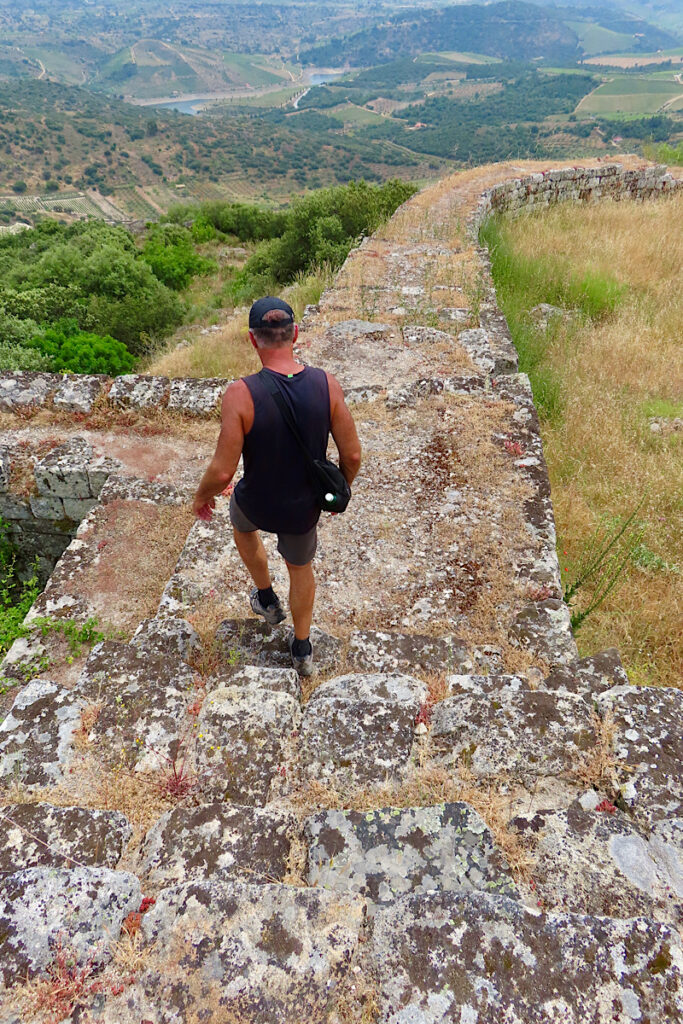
x=303, y=665
x=273, y=614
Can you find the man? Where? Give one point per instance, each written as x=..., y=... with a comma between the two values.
x=276, y=493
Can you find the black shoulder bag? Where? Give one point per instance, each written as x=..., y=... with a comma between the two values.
x=331, y=488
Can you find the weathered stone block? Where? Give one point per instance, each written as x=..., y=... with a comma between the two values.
x=649, y=740
x=388, y=686
x=525, y=736
x=142, y=700
x=99, y=471
x=358, y=730
x=78, y=509
x=390, y=852
x=136, y=391
x=454, y=314
x=593, y=675
x=21, y=389
x=63, y=472
x=445, y=957
x=477, y=345
x=593, y=862
x=79, y=393
x=251, y=677
x=5, y=467
x=374, y=651
x=173, y=638
x=84, y=908
x=40, y=835
x=36, y=736
x=217, y=841
x=197, y=397
x=242, y=737
x=12, y=507
x=545, y=628
x=47, y=508
x=252, y=642
x=256, y=953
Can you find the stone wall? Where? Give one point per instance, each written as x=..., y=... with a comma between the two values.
x=69, y=393
x=608, y=181
x=44, y=504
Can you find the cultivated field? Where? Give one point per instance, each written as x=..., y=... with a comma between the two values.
x=628, y=95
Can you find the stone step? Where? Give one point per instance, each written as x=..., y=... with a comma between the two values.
x=82, y=908
x=446, y=956
x=139, y=703
x=359, y=730
x=217, y=841
x=253, y=642
x=592, y=859
x=38, y=835
x=393, y=851
x=272, y=952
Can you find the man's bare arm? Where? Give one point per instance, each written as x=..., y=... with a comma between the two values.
x=220, y=471
x=343, y=431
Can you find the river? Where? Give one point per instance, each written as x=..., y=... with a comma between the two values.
x=193, y=105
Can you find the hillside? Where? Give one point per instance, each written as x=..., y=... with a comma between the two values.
x=53, y=135
x=511, y=29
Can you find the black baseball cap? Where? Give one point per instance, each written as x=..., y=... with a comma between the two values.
x=265, y=305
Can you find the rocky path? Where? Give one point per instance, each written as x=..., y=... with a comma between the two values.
x=456, y=821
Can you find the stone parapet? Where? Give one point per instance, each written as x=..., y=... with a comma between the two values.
x=22, y=391
x=608, y=181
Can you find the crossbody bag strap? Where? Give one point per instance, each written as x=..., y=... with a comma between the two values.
x=274, y=390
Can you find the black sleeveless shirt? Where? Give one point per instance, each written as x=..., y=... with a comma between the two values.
x=276, y=492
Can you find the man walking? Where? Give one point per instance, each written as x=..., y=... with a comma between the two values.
x=276, y=493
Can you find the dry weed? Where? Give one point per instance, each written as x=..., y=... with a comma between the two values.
x=357, y=999
x=130, y=954
x=226, y=352
x=135, y=534
x=427, y=786
x=598, y=767
x=297, y=862
x=89, y=716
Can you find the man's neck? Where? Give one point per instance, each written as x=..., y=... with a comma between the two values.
x=281, y=360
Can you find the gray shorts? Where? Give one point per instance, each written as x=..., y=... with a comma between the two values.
x=295, y=548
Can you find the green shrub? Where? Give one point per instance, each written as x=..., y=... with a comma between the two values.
x=321, y=228
x=16, y=597
x=169, y=250
x=69, y=348
x=665, y=154
x=21, y=357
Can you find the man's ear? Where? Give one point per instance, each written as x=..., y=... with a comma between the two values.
x=296, y=334
x=252, y=339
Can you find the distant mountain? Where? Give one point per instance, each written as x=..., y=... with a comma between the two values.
x=509, y=30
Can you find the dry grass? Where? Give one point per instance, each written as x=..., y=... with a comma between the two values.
x=597, y=767
x=142, y=423
x=226, y=352
x=602, y=456
x=427, y=786
x=93, y=785
x=134, y=533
